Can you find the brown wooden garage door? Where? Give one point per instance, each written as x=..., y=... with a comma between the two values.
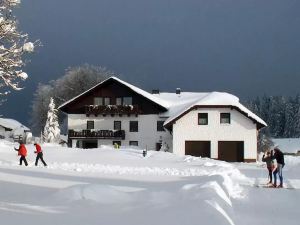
x=231, y=151
x=197, y=148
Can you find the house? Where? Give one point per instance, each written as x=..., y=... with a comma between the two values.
x=211, y=125
x=11, y=129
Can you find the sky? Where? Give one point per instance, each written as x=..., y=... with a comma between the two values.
x=245, y=47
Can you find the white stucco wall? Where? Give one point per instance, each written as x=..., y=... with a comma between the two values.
x=240, y=129
x=147, y=135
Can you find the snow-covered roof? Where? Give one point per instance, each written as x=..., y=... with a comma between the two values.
x=183, y=102
x=146, y=94
x=178, y=104
x=12, y=124
x=287, y=145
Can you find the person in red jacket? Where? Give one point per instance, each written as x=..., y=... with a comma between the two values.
x=22, y=151
x=39, y=154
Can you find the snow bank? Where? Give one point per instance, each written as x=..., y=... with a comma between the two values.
x=130, y=162
x=110, y=186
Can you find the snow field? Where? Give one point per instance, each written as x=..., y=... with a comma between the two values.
x=108, y=186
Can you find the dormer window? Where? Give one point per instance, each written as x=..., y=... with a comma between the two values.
x=98, y=101
x=127, y=101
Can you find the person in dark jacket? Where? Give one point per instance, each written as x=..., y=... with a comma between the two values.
x=39, y=154
x=278, y=155
x=22, y=151
x=270, y=164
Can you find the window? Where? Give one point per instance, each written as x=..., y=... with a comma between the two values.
x=90, y=125
x=117, y=125
x=133, y=126
x=134, y=143
x=127, y=101
x=202, y=118
x=98, y=101
x=118, y=101
x=160, y=126
x=106, y=101
x=225, y=118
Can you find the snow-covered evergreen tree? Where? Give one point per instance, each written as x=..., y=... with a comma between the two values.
x=51, y=130
x=13, y=46
x=290, y=118
x=297, y=117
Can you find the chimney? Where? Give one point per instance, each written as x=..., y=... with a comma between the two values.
x=178, y=91
x=155, y=91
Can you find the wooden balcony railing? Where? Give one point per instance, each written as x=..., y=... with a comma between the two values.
x=111, y=109
x=98, y=134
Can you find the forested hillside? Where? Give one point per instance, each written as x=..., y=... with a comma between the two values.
x=282, y=114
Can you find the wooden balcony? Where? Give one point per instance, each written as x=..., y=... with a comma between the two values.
x=97, y=134
x=111, y=110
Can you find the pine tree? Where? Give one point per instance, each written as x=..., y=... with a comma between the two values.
x=51, y=130
x=297, y=117
x=290, y=118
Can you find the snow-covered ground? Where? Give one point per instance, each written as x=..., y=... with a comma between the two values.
x=108, y=186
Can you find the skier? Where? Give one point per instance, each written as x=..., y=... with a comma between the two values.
x=22, y=151
x=39, y=154
x=278, y=155
x=270, y=164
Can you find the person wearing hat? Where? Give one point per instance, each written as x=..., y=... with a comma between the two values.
x=278, y=155
x=267, y=158
x=39, y=154
x=22, y=151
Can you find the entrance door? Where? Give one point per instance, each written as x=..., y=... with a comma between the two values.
x=89, y=144
x=198, y=148
x=231, y=151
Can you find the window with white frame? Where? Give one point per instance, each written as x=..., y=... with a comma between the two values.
x=225, y=118
x=127, y=101
x=98, y=101
x=133, y=143
x=160, y=126
x=90, y=125
x=202, y=118
x=106, y=101
x=117, y=125
x=133, y=126
x=118, y=101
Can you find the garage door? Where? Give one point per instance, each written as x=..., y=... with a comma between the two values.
x=197, y=148
x=231, y=151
